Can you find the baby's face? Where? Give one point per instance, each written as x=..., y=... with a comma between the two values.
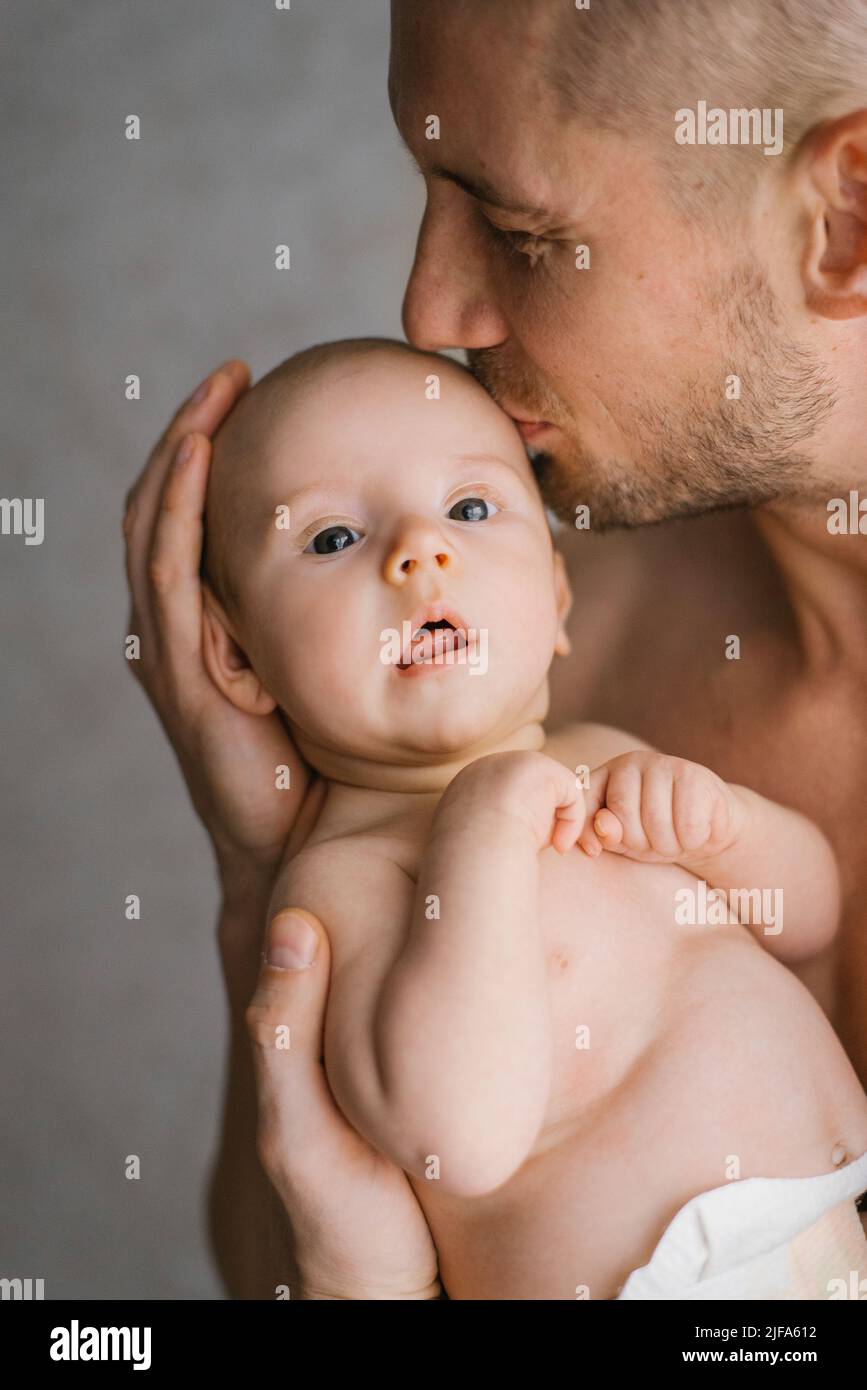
x=401, y=511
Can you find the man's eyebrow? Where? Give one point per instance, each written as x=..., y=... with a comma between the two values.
x=485, y=192
x=481, y=189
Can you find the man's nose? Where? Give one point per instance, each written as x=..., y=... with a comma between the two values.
x=418, y=550
x=449, y=301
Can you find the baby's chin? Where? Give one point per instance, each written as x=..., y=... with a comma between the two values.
x=442, y=740
x=424, y=727
x=433, y=738
x=460, y=727
x=444, y=744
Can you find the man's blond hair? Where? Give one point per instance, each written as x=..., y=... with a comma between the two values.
x=629, y=65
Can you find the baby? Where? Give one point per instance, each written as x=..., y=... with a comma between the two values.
x=556, y=1000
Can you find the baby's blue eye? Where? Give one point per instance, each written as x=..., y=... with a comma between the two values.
x=472, y=509
x=332, y=539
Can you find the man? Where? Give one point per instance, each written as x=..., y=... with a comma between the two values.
x=712, y=354
x=682, y=329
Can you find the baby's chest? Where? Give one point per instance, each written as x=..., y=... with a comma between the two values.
x=610, y=944
x=594, y=997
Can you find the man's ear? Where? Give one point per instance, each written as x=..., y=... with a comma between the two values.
x=563, y=600
x=226, y=661
x=835, y=265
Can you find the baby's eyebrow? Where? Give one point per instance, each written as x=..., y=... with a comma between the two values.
x=278, y=514
x=319, y=491
x=491, y=461
x=314, y=489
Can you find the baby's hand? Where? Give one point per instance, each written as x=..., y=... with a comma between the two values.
x=530, y=788
x=659, y=810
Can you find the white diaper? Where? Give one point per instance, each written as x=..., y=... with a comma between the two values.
x=763, y=1238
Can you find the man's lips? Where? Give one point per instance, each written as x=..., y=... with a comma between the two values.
x=527, y=428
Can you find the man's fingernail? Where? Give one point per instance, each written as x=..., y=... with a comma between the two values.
x=200, y=395
x=185, y=450
x=292, y=942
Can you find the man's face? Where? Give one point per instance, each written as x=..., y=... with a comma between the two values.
x=628, y=363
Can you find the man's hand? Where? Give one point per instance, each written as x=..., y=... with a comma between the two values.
x=228, y=758
x=660, y=810
x=358, y=1231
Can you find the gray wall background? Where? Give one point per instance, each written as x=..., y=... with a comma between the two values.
x=155, y=257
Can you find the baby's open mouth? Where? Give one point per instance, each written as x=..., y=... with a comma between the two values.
x=436, y=642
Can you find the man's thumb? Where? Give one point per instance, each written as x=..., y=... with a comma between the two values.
x=292, y=985
x=292, y=939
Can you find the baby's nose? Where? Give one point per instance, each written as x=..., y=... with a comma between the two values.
x=419, y=550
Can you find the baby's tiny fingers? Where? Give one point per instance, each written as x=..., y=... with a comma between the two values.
x=565, y=835
x=569, y=818
x=657, y=816
x=623, y=798
x=589, y=841
x=608, y=828
x=594, y=798
x=693, y=811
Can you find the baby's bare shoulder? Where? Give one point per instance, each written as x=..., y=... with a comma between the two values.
x=354, y=884
x=590, y=744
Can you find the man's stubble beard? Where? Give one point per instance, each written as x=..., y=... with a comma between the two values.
x=703, y=453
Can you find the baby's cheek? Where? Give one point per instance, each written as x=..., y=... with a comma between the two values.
x=290, y=667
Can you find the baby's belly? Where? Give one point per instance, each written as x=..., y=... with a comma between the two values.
x=559, y=1229
x=680, y=1058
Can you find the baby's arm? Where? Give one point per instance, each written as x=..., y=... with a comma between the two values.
x=655, y=808
x=438, y=1036
x=463, y=1027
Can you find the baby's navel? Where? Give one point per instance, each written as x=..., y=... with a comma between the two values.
x=558, y=959
x=839, y=1155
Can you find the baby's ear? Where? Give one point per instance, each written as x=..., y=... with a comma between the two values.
x=563, y=600
x=226, y=661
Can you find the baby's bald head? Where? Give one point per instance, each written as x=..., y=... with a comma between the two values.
x=241, y=439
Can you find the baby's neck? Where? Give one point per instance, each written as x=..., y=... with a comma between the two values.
x=408, y=780
x=361, y=795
